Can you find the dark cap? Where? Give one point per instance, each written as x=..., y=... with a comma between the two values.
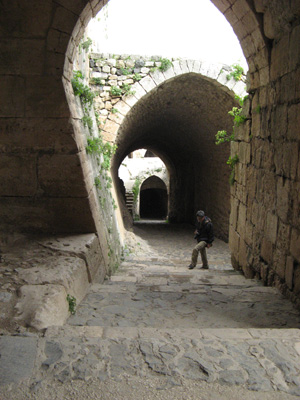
x=200, y=213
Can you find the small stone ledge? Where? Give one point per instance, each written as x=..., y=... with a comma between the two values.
x=172, y=334
x=41, y=272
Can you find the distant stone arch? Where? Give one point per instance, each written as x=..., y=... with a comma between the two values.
x=153, y=198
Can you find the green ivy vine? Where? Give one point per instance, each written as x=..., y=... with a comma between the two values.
x=223, y=136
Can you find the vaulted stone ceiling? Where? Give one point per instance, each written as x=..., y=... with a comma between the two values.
x=179, y=120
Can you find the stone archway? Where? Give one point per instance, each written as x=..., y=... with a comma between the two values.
x=45, y=182
x=179, y=119
x=153, y=198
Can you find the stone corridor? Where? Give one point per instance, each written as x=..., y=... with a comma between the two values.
x=156, y=322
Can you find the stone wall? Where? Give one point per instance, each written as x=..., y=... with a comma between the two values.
x=265, y=213
x=96, y=157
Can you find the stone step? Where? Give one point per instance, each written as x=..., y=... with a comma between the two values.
x=265, y=360
x=132, y=332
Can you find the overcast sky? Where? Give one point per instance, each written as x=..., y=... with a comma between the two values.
x=180, y=28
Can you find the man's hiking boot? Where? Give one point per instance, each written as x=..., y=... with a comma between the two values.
x=191, y=266
x=204, y=267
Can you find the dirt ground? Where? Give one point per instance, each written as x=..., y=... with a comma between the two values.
x=130, y=388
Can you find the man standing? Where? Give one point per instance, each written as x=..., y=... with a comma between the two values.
x=204, y=235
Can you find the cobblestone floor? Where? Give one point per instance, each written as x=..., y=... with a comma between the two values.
x=155, y=318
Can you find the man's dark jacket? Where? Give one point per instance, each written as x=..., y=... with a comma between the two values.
x=205, y=231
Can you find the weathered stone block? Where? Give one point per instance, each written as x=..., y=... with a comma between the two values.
x=265, y=130
x=268, y=189
x=289, y=90
x=279, y=66
x=139, y=90
x=242, y=132
x=49, y=101
x=117, y=118
x=12, y=96
x=18, y=357
x=169, y=73
x=295, y=244
x=289, y=272
x=244, y=153
x=46, y=214
x=293, y=130
x=64, y=20
x=234, y=242
x=254, y=215
x=55, y=63
x=278, y=157
x=76, y=6
x=282, y=197
x=108, y=137
x=234, y=213
x=41, y=306
x=297, y=279
x=240, y=173
x=131, y=63
x=264, y=75
x=67, y=271
x=255, y=128
x=122, y=107
x=263, y=97
x=20, y=13
x=251, y=24
x=279, y=262
x=294, y=49
x=295, y=220
x=131, y=100
x=267, y=154
x=249, y=233
x=271, y=227
x=36, y=134
x=269, y=24
x=279, y=121
x=242, y=255
x=241, y=222
x=17, y=56
x=266, y=250
x=283, y=236
x=157, y=76
x=231, y=16
x=251, y=177
x=147, y=83
x=111, y=127
x=249, y=50
x=290, y=159
x=61, y=175
x=57, y=41
x=18, y=175
x=241, y=193
x=257, y=151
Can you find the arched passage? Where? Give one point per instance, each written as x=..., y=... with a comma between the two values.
x=153, y=198
x=45, y=182
x=179, y=119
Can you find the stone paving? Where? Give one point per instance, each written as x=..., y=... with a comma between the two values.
x=157, y=318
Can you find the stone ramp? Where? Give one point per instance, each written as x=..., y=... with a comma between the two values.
x=173, y=297
x=260, y=359
x=156, y=319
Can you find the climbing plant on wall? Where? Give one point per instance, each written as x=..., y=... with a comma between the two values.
x=101, y=153
x=223, y=136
